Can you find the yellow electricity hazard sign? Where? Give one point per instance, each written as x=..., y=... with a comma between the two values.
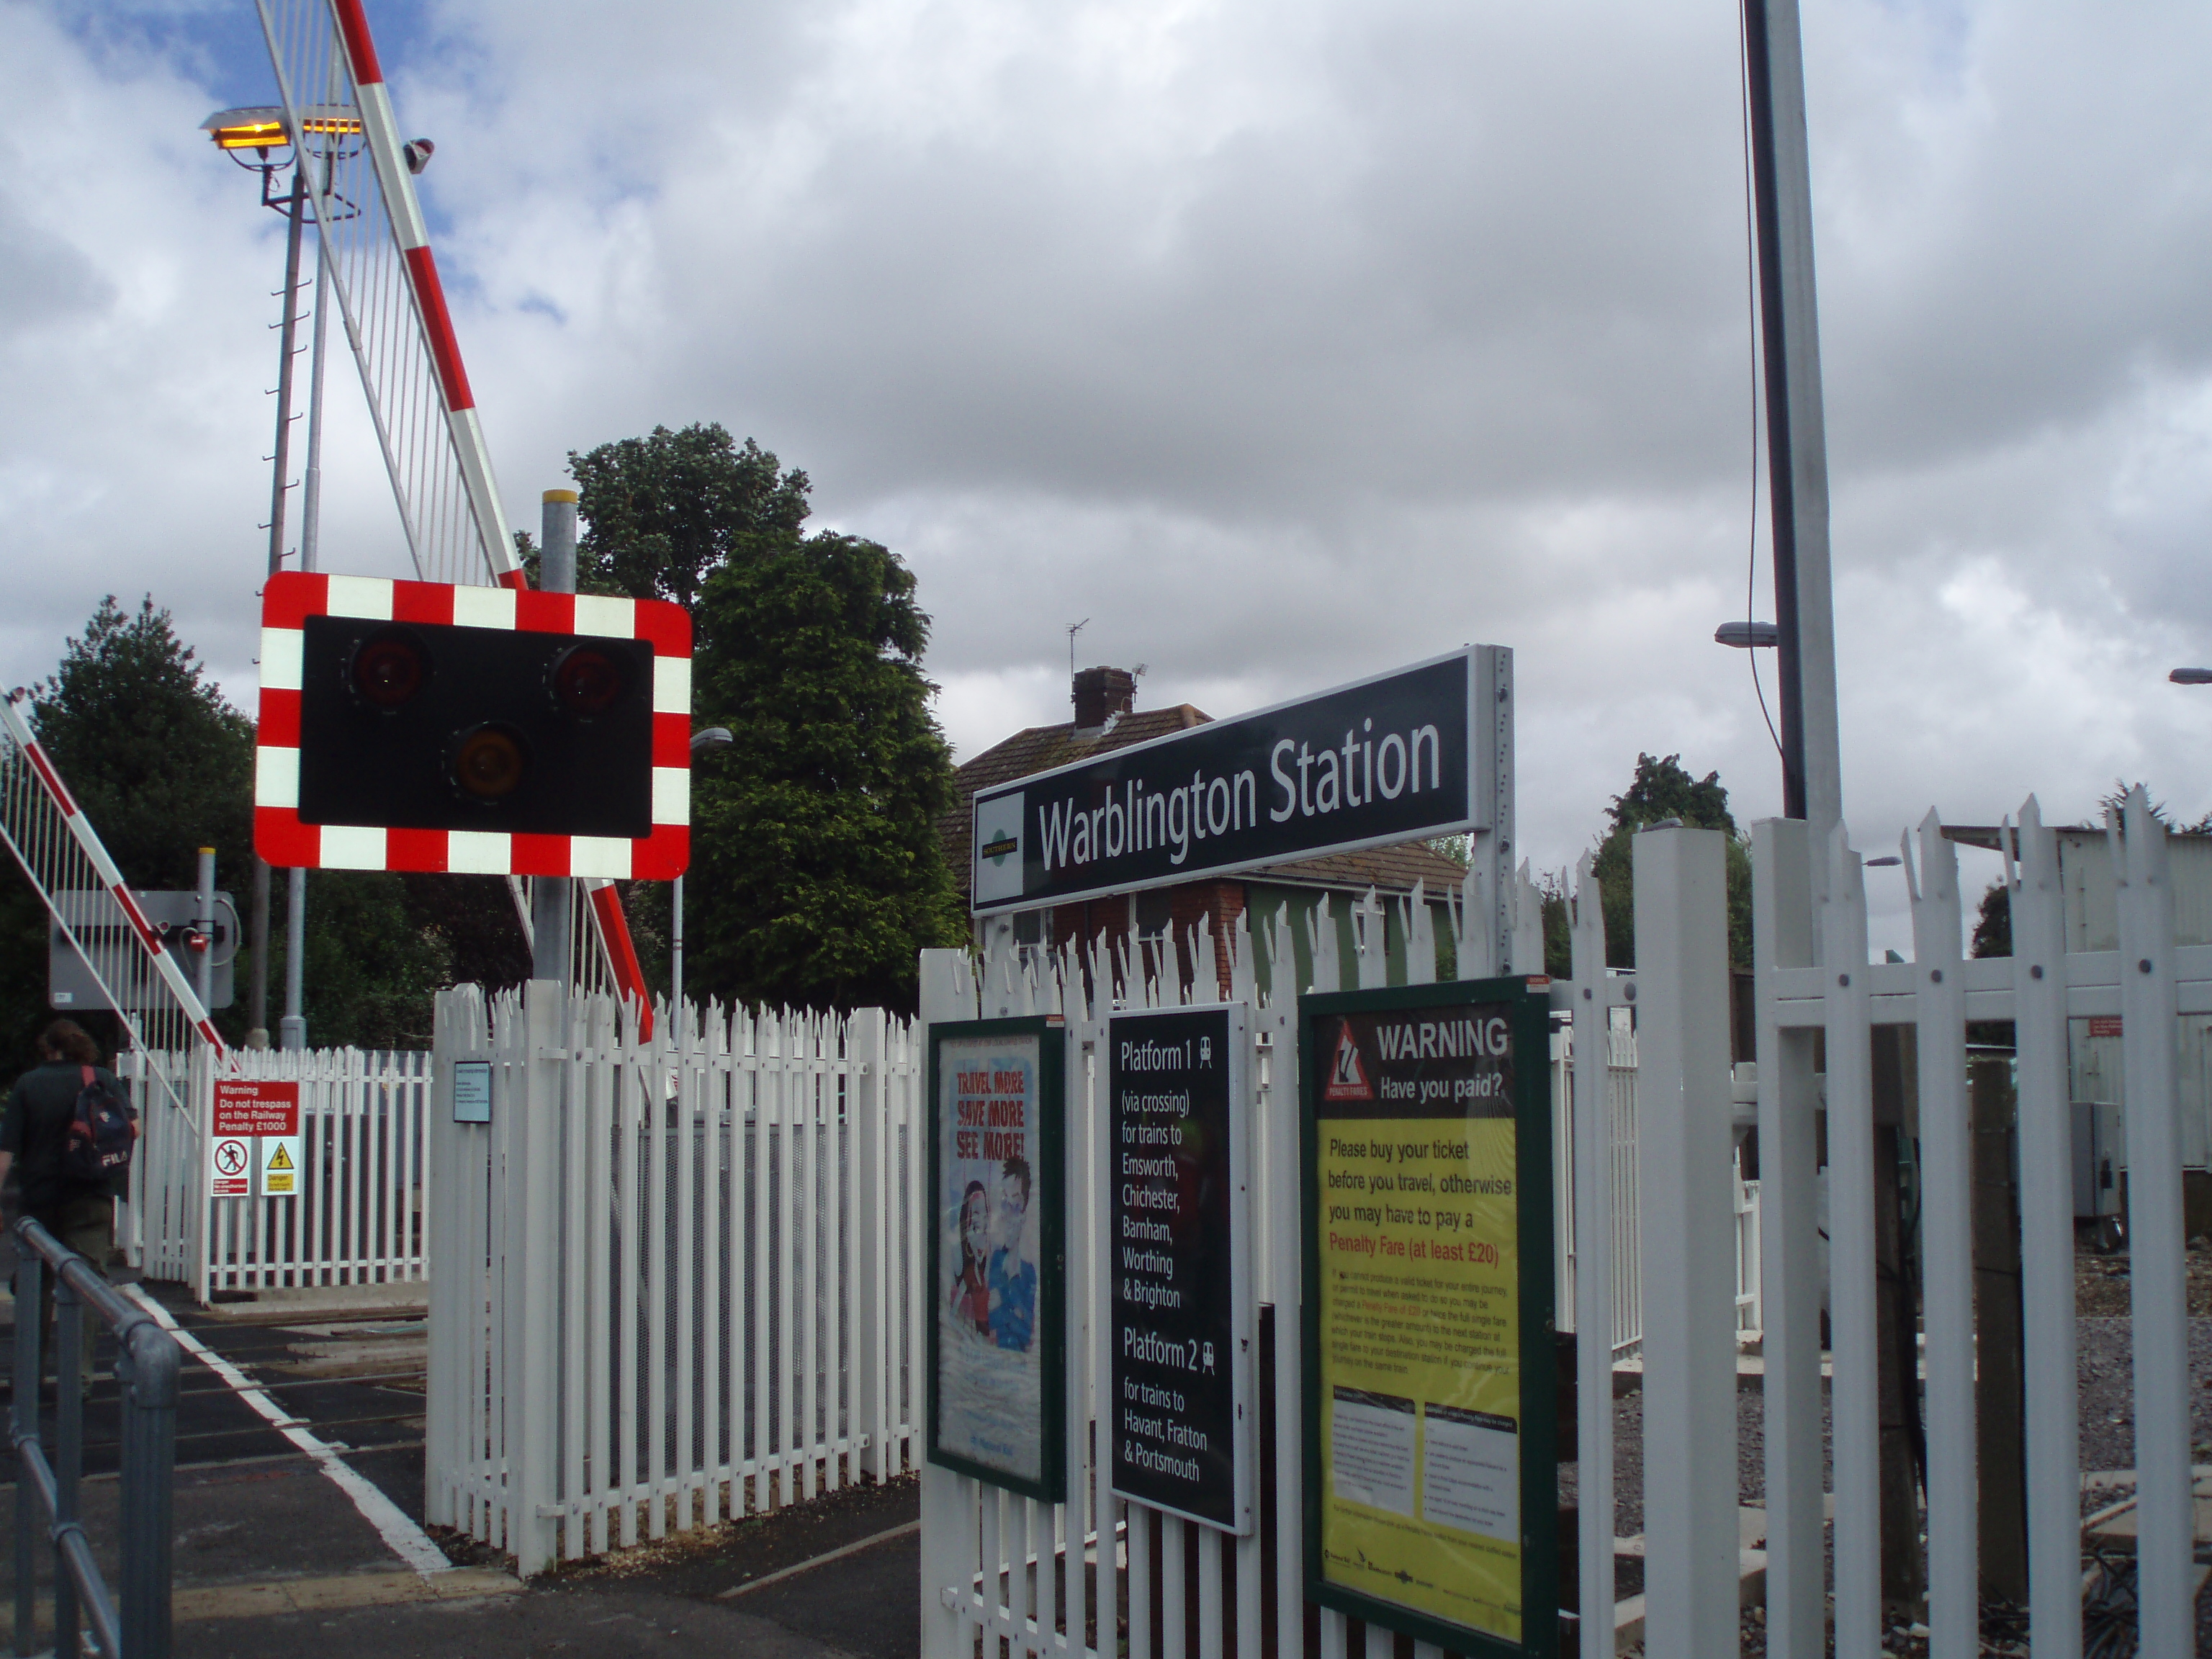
x=280, y=1166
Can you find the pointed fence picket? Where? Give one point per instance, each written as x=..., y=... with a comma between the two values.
x=710, y=1231
x=1007, y=1575
x=1814, y=981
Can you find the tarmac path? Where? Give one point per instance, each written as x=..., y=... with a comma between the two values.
x=274, y=1552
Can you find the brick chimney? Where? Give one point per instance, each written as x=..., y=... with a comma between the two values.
x=1101, y=694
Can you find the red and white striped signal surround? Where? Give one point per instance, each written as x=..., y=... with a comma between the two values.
x=285, y=840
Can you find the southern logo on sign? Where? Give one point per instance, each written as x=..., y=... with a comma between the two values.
x=1348, y=1078
x=998, y=849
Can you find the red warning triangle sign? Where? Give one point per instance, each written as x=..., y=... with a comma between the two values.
x=1348, y=1078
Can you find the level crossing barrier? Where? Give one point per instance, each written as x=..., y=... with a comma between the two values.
x=147, y=1362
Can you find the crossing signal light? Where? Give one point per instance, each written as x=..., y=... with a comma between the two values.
x=547, y=742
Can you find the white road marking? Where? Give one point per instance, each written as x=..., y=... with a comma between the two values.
x=854, y=1548
x=407, y=1541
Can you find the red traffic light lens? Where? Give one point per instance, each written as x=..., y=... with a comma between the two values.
x=586, y=680
x=489, y=762
x=389, y=669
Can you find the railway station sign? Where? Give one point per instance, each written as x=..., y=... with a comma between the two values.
x=1430, y=1479
x=997, y=1267
x=1419, y=752
x=1181, y=1319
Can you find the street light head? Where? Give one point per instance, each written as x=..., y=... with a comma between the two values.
x=1887, y=861
x=260, y=126
x=1747, y=636
x=713, y=738
x=2191, y=676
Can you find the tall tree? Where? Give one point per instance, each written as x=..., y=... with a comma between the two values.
x=162, y=763
x=662, y=512
x=1661, y=789
x=163, y=766
x=816, y=869
x=819, y=872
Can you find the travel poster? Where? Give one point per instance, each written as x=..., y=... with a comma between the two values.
x=995, y=1266
x=1429, y=1478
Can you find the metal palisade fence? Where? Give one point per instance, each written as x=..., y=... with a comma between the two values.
x=1054, y=1578
x=676, y=1278
x=1655, y=1174
x=1818, y=994
x=359, y=1215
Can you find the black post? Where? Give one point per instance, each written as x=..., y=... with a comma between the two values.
x=1780, y=486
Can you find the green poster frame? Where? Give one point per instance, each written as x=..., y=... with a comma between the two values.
x=1048, y=1186
x=1540, y=1520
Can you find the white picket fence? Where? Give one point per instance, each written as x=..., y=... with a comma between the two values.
x=1814, y=978
x=1049, y=1579
x=676, y=1279
x=359, y=1216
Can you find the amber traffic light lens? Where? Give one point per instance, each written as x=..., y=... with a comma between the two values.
x=389, y=669
x=586, y=681
x=489, y=762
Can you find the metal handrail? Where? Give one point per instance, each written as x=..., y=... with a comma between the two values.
x=147, y=1367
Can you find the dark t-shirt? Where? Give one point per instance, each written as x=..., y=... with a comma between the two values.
x=35, y=1128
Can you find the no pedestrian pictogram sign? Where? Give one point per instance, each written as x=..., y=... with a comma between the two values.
x=229, y=1172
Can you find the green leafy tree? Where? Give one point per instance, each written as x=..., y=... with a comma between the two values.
x=815, y=871
x=1992, y=924
x=819, y=872
x=1662, y=790
x=161, y=763
x=163, y=766
x=663, y=512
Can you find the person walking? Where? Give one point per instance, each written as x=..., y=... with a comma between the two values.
x=35, y=1133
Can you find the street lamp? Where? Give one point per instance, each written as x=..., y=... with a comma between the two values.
x=2191, y=676
x=330, y=131
x=1748, y=636
x=714, y=737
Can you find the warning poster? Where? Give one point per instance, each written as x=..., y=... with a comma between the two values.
x=997, y=1268
x=1430, y=1479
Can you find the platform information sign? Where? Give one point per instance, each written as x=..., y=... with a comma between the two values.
x=1430, y=1476
x=1181, y=1317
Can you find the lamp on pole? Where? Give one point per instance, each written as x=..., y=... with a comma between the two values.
x=714, y=737
x=262, y=130
x=2191, y=676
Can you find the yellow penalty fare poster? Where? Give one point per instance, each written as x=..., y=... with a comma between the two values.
x=1431, y=1482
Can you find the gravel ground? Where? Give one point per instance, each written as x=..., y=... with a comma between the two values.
x=2107, y=1441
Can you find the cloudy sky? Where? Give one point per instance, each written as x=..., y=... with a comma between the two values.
x=1284, y=340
